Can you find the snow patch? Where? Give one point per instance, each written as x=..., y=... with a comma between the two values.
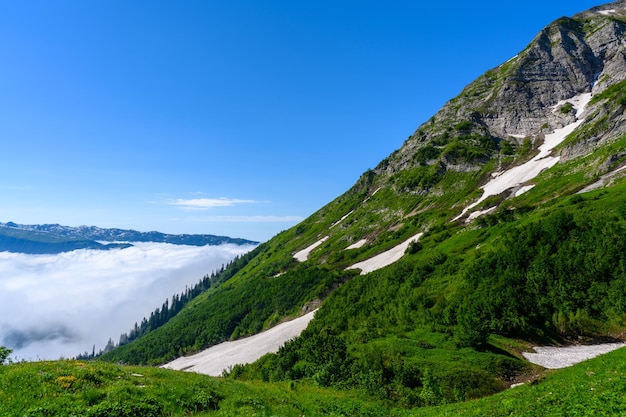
x=607, y=12
x=303, y=255
x=602, y=181
x=511, y=59
x=552, y=357
x=373, y=194
x=386, y=258
x=520, y=174
x=358, y=244
x=523, y=189
x=479, y=213
x=340, y=220
x=214, y=360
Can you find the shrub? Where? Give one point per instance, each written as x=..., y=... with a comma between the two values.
x=4, y=354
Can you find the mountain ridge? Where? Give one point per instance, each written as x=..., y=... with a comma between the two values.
x=55, y=238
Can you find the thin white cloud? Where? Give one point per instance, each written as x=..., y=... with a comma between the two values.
x=251, y=219
x=207, y=203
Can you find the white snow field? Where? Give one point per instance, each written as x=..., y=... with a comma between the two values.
x=386, y=258
x=607, y=12
x=518, y=175
x=214, y=360
x=358, y=244
x=303, y=255
x=552, y=357
x=340, y=220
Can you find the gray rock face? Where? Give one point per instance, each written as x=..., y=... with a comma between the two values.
x=520, y=98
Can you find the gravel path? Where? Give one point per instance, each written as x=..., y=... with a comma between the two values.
x=560, y=357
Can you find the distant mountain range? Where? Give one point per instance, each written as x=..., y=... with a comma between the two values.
x=55, y=238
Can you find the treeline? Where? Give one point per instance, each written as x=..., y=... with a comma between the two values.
x=169, y=309
x=160, y=316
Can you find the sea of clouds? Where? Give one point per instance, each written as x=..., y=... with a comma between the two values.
x=54, y=306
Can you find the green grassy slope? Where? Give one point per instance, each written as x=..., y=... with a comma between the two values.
x=592, y=388
x=70, y=388
x=448, y=315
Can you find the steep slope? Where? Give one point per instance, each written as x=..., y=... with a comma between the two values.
x=498, y=246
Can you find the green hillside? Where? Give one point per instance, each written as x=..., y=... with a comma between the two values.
x=455, y=312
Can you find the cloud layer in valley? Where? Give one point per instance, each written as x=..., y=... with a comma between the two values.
x=61, y=305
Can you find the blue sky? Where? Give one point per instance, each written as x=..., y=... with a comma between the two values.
x=227, y=117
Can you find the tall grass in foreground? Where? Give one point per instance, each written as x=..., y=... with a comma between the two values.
x=73, y=388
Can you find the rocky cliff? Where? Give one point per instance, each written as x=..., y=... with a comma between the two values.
x=526, y=97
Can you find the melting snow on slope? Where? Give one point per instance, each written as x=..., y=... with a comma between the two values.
x=340, y=220
x=303, y=255
x=386, y=258
x=607, y=12
x=552, y=357
x=358, y=244
x=479, y=213
x=520, y=174
x=215, y=359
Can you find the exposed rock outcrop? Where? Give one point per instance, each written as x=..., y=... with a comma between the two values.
x=526, y=97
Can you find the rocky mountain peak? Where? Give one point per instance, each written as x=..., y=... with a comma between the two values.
x=526, y=97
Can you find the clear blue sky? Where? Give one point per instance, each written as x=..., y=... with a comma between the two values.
x=227, y=117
